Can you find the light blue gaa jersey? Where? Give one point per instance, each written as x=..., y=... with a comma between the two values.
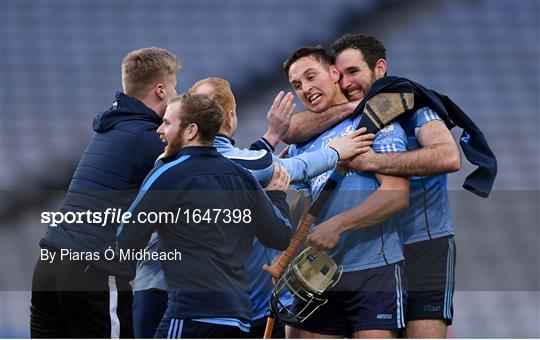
x=260, y=164
x=365, y=248
x=428, y=215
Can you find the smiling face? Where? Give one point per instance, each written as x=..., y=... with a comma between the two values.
x=170, y=131
x=315, y=84
x=356, y=76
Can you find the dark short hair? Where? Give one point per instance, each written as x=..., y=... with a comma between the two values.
x=372, y=49
x=317, y=52
x=203, y=110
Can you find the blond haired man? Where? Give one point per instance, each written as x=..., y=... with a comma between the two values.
x=77, y=292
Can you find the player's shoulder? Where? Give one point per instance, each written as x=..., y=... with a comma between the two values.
x=245, y=154
x=427, y=112
x=424, y=115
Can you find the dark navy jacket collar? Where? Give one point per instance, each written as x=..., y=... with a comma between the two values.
x=138, y=105
x=193, y=151
x=124, y=108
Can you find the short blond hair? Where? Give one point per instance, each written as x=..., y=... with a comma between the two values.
x=143, y=68
x=222, y=92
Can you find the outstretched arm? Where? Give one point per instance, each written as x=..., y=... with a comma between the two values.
x=439, y=154
x=308, y=165
x=391, y=197
x=306, y=125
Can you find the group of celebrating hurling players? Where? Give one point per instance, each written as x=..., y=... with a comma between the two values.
x=387, y=222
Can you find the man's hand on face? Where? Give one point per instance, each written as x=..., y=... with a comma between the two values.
x=325, y=236
x=279, y=117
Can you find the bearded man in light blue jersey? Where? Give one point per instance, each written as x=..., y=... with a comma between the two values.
x=427, y=227
x=355, y=226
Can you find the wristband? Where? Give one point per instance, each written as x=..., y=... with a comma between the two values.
x=338, y=155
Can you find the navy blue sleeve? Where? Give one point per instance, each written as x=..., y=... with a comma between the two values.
x=260, y=164
x=272, y=219
x=262, y=144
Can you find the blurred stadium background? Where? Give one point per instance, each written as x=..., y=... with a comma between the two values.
x=60, y=64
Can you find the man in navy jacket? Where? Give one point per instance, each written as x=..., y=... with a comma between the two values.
x=218, y=206
x=111, y=169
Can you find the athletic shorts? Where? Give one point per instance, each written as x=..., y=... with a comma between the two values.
x=429, y=266
x=148, y=309
x=73, y=299
x=172, y=328
x=370, y=299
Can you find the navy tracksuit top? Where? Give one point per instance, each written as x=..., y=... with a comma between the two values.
x=209, y=280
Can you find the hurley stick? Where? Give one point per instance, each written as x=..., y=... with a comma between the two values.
x=379, y=110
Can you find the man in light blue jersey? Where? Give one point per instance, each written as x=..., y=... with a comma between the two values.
x=427, y=227
x=149, y=285
x=355, y=226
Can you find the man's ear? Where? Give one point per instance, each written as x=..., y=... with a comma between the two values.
x=159, y=89
x=334, y=73
x=228, y=119
x=192, y=131
x=380, y=68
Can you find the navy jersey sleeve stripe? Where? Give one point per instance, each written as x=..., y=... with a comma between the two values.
x=256, y=162
x=262, y=144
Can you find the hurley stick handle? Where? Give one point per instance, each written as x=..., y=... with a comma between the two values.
x=269, y=328
x=278, y=268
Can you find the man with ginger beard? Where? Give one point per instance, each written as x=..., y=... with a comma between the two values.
x=149, y=285
x=207, y=288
